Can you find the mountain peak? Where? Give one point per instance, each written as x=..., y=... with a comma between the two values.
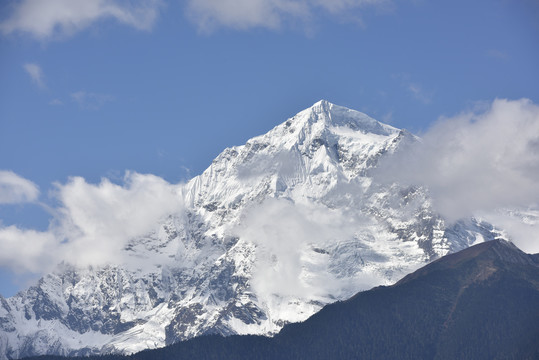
x=507, y=252
x=322, y=106
x=271, y=231
x=498, y=253
x=496, y=250
x=340, y=116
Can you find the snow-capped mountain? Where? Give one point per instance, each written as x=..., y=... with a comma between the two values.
x=272, y=231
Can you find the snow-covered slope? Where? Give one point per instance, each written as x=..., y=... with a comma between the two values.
x=273, y=230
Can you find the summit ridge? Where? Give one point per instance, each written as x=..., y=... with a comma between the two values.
x=337, y=115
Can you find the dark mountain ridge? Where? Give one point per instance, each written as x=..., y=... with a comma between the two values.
x=479, y=303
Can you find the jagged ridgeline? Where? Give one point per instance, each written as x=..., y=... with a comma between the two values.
x=480, y=303
x=272, y=231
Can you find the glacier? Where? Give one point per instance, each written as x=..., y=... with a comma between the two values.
x=272, y=231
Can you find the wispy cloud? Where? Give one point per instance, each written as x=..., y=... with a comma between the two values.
x=415, y=89
x=497, y=54
x=15, y=189
x=36, y=74
x=56, y=102
x=387, y=117
x=92, y=223
x=63, y=18
x=419, y=93
x=246, y=14
x=90, y=100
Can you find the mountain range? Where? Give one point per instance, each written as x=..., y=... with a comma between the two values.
x=479, y=303
x=272, y=231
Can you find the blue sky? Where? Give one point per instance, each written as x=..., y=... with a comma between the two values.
x=162, y=87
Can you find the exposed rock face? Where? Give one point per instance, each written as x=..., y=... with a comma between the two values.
x=272, y=231
x=479, y=303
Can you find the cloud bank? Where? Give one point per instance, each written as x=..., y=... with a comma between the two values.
x=246, y=14
x=63, y=18
x=476, y=162
x=15, y=189
x=92, y=223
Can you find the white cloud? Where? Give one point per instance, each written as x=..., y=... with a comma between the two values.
x=90, y=100
x=63, y=18
x=15, y=189
x=284, y=234
x=521, y=225
x=92, y=223
x=476, y=161
x=27, y=250
x=36, y=74
x=98, y=220
x=245, y=14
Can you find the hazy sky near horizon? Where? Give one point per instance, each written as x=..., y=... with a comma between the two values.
x=94, y=88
